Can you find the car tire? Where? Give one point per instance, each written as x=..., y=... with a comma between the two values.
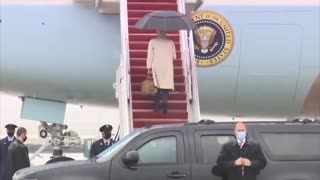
x=59, y=159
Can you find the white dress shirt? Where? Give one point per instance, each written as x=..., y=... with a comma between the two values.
x=241, y=143
x=10, y=139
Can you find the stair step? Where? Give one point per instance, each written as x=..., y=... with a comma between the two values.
x=138, y=123
x=132, y=21
x=141, y=78
x=177, y=87
x=148, y=37
x=132, y=29
x=149, y=105
x=154, y=1
x=136, y=70
x=138, y=13
x=173, y=96
x=172, y=114
x=143, y=62
x=152, y=6
x=144, y=53
x=143, y=59
x=144, y=45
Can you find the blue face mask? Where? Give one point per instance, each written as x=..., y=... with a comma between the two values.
x=241, y=135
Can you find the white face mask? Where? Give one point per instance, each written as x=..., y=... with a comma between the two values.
x=241, y=135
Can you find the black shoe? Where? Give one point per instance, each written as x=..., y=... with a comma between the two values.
x=156, y=108
x=165, y=110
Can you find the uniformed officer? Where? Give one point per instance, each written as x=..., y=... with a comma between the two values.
x=104, y=143
x=4, y=144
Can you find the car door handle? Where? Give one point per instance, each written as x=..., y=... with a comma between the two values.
x=176, y=175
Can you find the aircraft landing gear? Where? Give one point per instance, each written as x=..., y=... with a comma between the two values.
x=58, y=139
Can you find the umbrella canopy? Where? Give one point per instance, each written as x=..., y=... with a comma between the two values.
x=166, y=21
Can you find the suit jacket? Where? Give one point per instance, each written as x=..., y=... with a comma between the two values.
x=4, y=145
x=99, y=146
x=231, y=152
x=220, y=172
x=18, y=157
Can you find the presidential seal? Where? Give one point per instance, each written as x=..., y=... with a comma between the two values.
x=213, y=39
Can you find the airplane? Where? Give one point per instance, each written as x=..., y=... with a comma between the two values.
x=63, y=51
x=69, y=51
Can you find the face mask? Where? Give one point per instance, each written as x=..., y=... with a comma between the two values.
x=106, y=135
x=10, y=134
x=241, y=135
x=25, y=139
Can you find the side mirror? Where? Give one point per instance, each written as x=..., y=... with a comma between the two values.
x=130, y=158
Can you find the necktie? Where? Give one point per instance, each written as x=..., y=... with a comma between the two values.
x=242, y=171
x=241, y=143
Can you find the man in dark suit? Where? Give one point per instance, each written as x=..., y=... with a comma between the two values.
x=4, y=145
x=241, y=160
x=18, y=155
x=104, y=143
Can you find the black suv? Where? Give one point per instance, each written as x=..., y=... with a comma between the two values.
x=189, y=151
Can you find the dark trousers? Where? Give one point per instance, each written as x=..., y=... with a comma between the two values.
x=162, y=95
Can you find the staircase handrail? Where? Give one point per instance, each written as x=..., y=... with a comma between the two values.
x=187, y=49
x=183, y=43
x=125, y=111
x=194, y=78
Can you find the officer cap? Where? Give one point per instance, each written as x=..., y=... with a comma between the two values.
x=11, y=127
x=106, y=128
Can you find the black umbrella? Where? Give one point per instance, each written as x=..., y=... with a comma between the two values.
x=166, y=21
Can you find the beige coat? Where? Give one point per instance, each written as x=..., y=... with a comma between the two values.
x=161, y=53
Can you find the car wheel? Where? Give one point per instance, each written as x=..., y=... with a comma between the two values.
x=59, y=159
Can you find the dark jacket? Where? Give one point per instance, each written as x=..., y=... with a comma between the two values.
x=18, y=157
x=220, y=172
x=4, y=145
x=231, y=152
x=99, y=146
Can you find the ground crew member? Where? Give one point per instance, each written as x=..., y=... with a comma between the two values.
x=104, y=143
x=4, y=145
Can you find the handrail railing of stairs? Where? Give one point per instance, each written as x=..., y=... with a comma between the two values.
x=124, y=96
x=187, y=46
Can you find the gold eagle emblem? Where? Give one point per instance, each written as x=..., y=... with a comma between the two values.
x=205, y=39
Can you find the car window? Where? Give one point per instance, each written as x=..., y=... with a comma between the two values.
x=211, y=146
x=109, y=153
x=292, y=146
x=160, y=150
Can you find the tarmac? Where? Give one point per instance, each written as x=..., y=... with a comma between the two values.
x=75, y=152
x=74, y=149
x=44, y=157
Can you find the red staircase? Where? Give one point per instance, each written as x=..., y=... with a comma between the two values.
x=142, y=107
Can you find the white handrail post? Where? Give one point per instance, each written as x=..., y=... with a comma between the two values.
x=190, y=72
x=125, y=111
x=194, y=76
x=184, y=57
